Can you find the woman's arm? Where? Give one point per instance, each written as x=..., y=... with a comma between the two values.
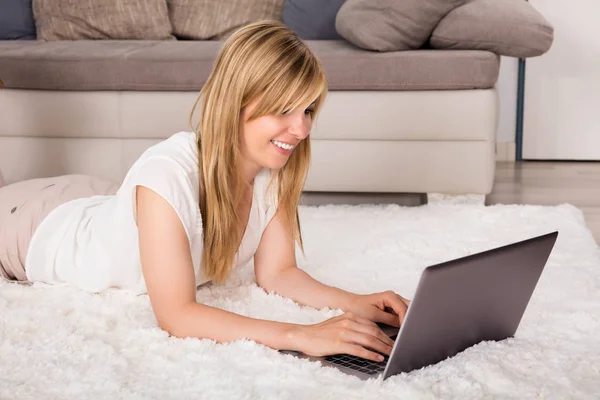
x=276, y=270
x=168, y=271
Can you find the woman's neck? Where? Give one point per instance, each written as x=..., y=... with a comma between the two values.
x=250, y=170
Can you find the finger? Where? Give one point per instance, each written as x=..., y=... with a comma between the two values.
x=405, y=300
x=361, y=352
x=387, y=318
x=396, y=304
x=365, y=340
x=370, y=328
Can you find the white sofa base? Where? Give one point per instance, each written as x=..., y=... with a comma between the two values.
x=364, y=141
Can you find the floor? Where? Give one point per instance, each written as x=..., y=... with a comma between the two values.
x=550, y=183
x=525, y=182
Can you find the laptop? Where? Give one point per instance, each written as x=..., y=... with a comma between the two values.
x=457, y=304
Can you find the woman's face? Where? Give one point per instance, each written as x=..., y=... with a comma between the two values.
x=268, y=141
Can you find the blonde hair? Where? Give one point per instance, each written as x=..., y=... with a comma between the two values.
x=262, y=61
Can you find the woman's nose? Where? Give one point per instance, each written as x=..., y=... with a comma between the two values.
x=299, y=126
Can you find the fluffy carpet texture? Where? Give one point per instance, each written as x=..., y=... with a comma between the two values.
x=61, y=343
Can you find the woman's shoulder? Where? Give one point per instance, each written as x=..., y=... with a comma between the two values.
x=169, y=168
x=180, y=147
x=179, y=151
x=170, y=162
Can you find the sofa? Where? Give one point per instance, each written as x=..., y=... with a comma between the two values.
x=420, y=120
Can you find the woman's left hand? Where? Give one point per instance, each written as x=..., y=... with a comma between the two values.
x=387, y=307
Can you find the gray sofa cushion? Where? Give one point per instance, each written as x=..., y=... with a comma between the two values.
x=218, y=19
x=102, y=19
x=16, y=20
x=507, y=27
x=391, y=25
x=185, y=65
x=312, y=19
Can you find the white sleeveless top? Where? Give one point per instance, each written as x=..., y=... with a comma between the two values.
x=92, y=243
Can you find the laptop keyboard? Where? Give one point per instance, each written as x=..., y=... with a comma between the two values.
x=359, y=364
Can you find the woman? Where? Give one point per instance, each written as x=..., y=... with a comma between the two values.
x=195, y=206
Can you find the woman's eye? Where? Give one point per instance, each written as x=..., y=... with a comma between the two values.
x=308, y=111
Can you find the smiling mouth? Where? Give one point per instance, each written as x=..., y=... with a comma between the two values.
x=283, y=146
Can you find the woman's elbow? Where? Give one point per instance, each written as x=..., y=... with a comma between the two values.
x=173, y=323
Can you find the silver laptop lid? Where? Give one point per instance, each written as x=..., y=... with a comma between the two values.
x=462, y=302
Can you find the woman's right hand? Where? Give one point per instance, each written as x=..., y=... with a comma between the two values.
x=344, y=334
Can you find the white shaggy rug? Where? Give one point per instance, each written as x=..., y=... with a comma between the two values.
x=67, y=344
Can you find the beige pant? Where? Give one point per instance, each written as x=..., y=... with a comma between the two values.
x=23, y=205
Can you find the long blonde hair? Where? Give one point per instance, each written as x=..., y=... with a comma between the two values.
x=265, y=61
